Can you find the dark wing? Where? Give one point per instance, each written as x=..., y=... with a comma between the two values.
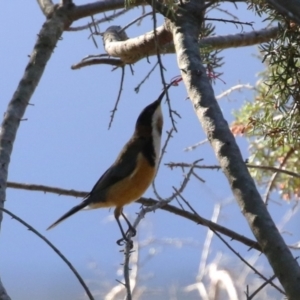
x=123, y=166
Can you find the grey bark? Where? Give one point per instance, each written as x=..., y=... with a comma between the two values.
x=132, y=50
x=46, y=6
x=290, y=8
x=43, y=49
x=3, y=293
x=185, y=34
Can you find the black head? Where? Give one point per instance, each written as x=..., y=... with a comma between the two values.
x=145, y=118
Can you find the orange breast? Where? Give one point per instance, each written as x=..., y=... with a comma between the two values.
x=130, y=188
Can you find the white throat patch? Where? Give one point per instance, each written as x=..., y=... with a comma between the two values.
x=157, y=122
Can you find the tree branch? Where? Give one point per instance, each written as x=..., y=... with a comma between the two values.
x=235, y=252
x=244, y=39
x=66, y=261
x=131, y=50
x=98, y=61
x=97, y=22
x=134, y=49
x=186, y=31
x=274, y=176
x=146, y=202
x=86, y=10
x=44, y=47
x=240, y=39
x=3, y=293
x=46, y=6
x=216, y=167
x=278, y=170
x=290, y=9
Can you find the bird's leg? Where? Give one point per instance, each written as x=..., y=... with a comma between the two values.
x=130, y=227
x=117, y=213
x=124, y=238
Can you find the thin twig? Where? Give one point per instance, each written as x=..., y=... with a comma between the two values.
x=274, y=176
x=231, y=248
x=172, y=165
x=261, y=287
x=118, y=98
x=193, y=147
x=54, y=249
x=184, y=183
x=164, y=148
x=95, y=56
x=137, y=88
x=161, y=203
x=93, y=33
x=161, y=67
x=198, y=177
x=136, y=20
x=227, y=12
x=115, y=292
x=126, y=268
x=216, y=167
x=218, y=97
x=234, y=88
x=105, y=19
x=230, y=21
x=98, y=61
x=202, y=221
x=269, y=168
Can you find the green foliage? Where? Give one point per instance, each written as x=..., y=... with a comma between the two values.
x=272, y=121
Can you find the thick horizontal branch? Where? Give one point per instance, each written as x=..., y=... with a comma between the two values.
x=134, y=49
x=146, y=202
x=240, y=39
x=86, y=10
x=244, y=39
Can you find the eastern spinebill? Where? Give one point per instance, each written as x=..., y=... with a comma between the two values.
x=132, y=172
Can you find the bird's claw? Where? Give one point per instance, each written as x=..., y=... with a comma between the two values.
x=133, y=231
x=124, y=239
x=121, y=242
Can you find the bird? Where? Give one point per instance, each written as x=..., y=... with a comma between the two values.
x=132, y=172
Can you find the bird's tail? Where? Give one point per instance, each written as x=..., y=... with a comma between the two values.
x=71, y=212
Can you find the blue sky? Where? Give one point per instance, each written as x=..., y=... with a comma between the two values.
x=64, y=142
